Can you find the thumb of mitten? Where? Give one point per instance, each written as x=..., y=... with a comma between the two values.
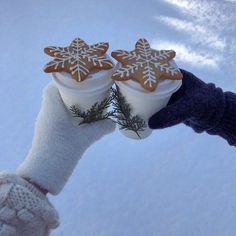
x=96, y=130
x=172, y=114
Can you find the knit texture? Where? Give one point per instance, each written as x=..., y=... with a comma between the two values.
x=58, y=145
x=201, y=106
x=23, y=209
x=227, y=126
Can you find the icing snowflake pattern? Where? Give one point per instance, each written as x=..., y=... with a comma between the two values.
x=145, y=65
x=78, y=59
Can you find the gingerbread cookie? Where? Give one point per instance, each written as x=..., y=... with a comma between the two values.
x=78, y=59
x=145, y=65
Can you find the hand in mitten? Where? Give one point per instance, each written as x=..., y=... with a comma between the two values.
x=57, y=144
x=201, y=106
x=24, y=210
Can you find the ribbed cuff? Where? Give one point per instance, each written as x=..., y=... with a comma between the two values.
x=227, y=126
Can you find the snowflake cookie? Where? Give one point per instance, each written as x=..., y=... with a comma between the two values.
x=78, y=59
x=145, y=65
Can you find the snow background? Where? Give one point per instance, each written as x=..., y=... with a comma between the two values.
x=176, y=182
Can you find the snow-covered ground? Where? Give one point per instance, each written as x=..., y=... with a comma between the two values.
x=176, y=182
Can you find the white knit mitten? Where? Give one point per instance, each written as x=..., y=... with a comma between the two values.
x=24, y=210
x=57, y=144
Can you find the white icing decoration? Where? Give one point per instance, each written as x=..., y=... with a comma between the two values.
x=73, y=54
x=146, y=59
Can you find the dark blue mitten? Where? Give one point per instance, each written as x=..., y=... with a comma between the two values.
x=201, y=106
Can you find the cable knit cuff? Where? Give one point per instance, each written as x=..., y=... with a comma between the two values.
x=9, y=178
x=227, y=126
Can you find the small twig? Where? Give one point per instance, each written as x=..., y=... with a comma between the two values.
x=95, y=113
x=122, y=113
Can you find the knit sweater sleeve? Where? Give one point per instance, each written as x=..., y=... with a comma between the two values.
x=226, y=128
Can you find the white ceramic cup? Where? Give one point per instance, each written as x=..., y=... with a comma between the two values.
x=144, y=103
x=95, y=88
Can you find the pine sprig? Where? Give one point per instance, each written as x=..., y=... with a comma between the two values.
x=122, y=113
x=95, y=113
